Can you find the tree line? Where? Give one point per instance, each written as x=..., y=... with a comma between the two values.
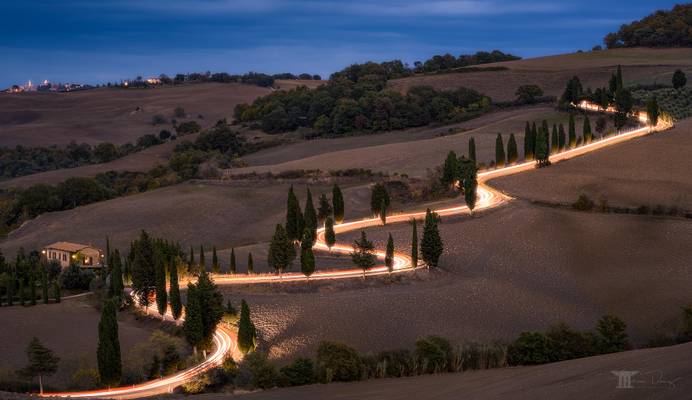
x=672, y=28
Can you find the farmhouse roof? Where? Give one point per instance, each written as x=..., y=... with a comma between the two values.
x=70, y=247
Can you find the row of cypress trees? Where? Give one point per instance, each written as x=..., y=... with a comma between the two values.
x=555, y=141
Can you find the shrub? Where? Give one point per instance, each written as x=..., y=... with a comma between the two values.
x=529, y=349
x=434, y=354
x=396, y=363
x=158, y=119
x=197, y=384
x=612, y=334
x=583, y=203
x=338, y=362
x=569, y=344
x=300, y=372
x=75, y=278
x=476, y=356
x=256, y=372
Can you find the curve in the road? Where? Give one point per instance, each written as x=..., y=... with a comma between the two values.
x=488, y=197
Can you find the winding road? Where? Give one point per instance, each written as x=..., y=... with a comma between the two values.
x=488, y=197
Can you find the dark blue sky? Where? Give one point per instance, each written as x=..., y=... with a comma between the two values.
x=99, y=40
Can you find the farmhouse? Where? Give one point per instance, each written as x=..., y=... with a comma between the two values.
x=85, y=256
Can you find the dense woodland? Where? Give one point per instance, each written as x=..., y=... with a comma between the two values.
x=661, y=29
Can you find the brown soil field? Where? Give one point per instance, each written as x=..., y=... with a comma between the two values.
x=109, y=114
x=552, y=72
x=69, y=328
x=663, y=374
x=223, y=214
x=412, y=157
x=288, y=84
x=520, y=267
x=651, y=170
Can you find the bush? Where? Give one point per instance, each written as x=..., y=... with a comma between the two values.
x=300, y=372
x=475, y=356
x=569, y=344
x=529, y=349
x=434, y=354
x=338, y=362
x=612, y=334
x=75, y=278
x=256, y=372
x=583, y=203
x=197, y=384
x=396, y=363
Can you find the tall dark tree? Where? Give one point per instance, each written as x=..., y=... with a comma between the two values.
x=562, y=138
x=555, y=140
x=431, y=245
x=329, y=233
x=232, y=263
x=211, y=303
x=512, y=152
x=109, y=260
x=143, y=269
x=379, y=194
x=472, y=149
x=652, y=110
x=363, y=254
x=499, y=152
x=293, y=216
x=586, y=130
x=191, y=263
x=389, y=254
x=117, y=285
x=250, y=264
x=56, y=291
x=193, y=324
x=414, y=243
x=449, y=169
x=281, y=251
x=679, y=79
x=247, y=334
x=618, y=79
x=324, y=210
x=108, y=351
x=215, y=266
x=544, y=125
x=338, y=204
x=32, y=285
x=542, y=153
x=470, y=186
x=572, y=132
x=44, y=281
x=161, y=294
x=528, y=142
x=307, y=257
x=383, y=212
x=42, y=362
x=310, y=218
x=174, y=291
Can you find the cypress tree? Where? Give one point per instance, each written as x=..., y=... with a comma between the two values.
x=174, y=294
x=56, y=291
x=562, y=139
x=202, y=261
x=307, y=258
x=534, y=137
x=324, y=210
x=572, y=131
x=472, y=150
x=232, y=263
x=292, y=219
x=161, y=295
x=414, y=243
x=337, y=204
x=363, y=254
x=383, y=212
x=281, y=251
x=22, y=293
x=499, y=152
x=211, y=305
x=329, y=233
x=449, y=169
x=431, y=245
x=9, y=289
x=310, y=218
x=544, y=125
x=542, y=152
x=215, y=266
x=117, y=286
x=470, y=186
x=618, y=78
x=389, y=254
x=42, y=362
x=250, y=264
x=109, y=260
x=586, y=131
x=378, y=195
x=512, y=150
x=192, y=325
x=44, y=282
x=108, y=351
x=247, y=334
x=555, y=141
x=652, y=110
x=528, y=143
